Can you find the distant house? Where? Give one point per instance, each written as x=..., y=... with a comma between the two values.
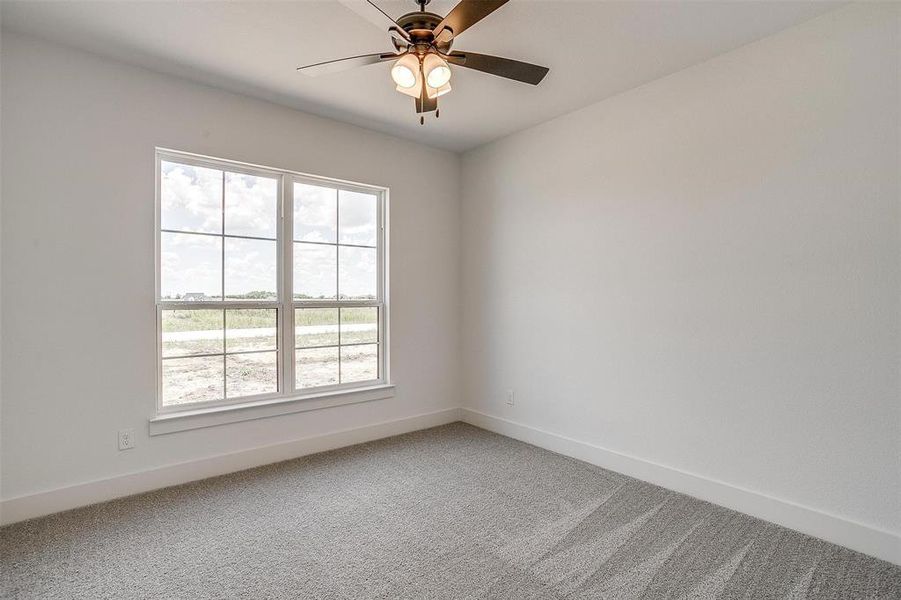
x=196, y=296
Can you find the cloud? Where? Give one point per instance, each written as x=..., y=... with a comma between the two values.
x=250, y=266
x=192, y=202
x=315, y=270
x=357, y=272
x=191, y=198
x=315, y=213
x=251, y=205
x=357, y=218
x=190, y=263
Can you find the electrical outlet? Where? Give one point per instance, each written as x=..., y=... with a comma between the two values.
x=126, y=439
x=510, y=399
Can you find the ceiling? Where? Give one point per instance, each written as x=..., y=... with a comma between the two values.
x=594, y=49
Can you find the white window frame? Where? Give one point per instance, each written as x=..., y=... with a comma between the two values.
x=285, y=304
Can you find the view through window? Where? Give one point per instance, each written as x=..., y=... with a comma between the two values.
x=255, y=306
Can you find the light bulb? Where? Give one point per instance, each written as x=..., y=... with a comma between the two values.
x=437, y=73
x=439, y=76
x=407, y=74
x=403, y=75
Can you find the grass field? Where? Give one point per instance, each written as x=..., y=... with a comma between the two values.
x=222, y=332
x=247, y=318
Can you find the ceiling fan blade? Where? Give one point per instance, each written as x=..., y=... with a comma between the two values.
x=502, y=67
x=395, y=30
x=343, y=64
x=399, y=44
x=463, y=16
x=370, y=11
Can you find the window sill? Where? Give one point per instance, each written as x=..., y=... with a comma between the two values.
x=222, y=415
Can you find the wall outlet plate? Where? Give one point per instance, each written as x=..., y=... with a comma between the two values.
x=126, y=439
x=510, y=398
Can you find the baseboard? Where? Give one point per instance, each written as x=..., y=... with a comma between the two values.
x=856, y=536
x=44, y=503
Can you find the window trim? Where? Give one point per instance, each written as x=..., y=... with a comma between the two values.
x=234, y=413
x=285, y=304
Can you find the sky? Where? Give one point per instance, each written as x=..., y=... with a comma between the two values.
x=324, y=220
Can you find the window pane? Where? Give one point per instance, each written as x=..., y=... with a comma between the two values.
x=250, y=329
x=316, y=367
x=251, y=205
x=251, y=374
x=359, y=325
x=250, y=269
x=190, y=198
x=358, y=274
x=315, y=213
x=190, y=267
x=357, y=218
x=191, y=332
x=186, y=380
x=315, y=271
x=315, y=327
x=359, y=363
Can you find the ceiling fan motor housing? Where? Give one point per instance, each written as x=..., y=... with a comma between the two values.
x=420, y=26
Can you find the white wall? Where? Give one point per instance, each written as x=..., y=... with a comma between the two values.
x=77, y=245
x=704, y=272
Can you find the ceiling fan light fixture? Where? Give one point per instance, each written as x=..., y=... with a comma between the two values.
x=403, y=76
x=440, y=91
x=405, y=72
x=439, y=76
x=412, y=92
x=422, y=43
x=437, y=71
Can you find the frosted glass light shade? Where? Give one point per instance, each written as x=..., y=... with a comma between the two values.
x=403, y=76
x=435, y=92
x=405, y=72
x=436, y=70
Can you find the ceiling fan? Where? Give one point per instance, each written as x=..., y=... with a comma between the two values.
x=422, y=43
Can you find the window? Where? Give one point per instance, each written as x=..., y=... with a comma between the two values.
x=255, y=306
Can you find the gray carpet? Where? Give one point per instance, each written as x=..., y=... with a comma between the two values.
x=452, y=512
